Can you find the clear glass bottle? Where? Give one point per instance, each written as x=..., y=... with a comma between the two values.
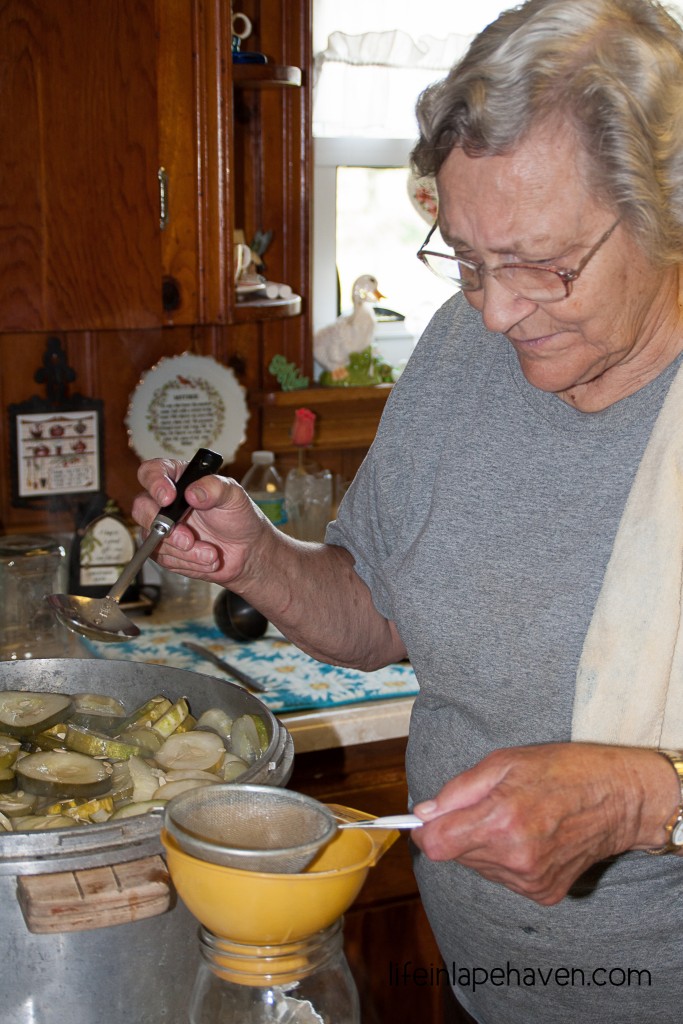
x=304, y=982
x=263, y=484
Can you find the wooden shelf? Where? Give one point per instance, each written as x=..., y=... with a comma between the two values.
x=347, y=418
x=267, y=309
x=327, y=396
x=265, y=76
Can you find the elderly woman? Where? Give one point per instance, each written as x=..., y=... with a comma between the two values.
x=495, y=530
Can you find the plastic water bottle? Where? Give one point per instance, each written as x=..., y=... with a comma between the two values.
x=263, y=484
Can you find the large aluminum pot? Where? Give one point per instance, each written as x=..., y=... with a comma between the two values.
x=141, y=970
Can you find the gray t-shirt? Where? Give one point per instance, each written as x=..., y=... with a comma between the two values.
x=482, y=520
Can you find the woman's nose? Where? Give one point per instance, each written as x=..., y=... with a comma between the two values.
x=500, y=309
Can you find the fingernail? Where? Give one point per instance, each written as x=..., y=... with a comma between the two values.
x=160, y=496
x=199, y=494
x=425, y=809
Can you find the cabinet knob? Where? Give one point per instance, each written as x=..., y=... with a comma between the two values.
x=170, y=294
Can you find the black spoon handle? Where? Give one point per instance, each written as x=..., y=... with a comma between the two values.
x=202, y=463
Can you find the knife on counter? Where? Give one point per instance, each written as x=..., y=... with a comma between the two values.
x=226, y=666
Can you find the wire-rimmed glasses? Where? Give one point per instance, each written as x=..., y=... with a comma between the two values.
x=525, y=280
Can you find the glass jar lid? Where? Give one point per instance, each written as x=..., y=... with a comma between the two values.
x=19, y=545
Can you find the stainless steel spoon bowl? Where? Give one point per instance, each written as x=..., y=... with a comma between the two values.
x=101, y=618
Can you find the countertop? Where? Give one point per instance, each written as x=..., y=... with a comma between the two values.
x=349, y=725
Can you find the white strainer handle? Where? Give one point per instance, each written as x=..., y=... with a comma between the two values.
x=389, y=821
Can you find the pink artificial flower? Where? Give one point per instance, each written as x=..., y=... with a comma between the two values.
x=303, y=428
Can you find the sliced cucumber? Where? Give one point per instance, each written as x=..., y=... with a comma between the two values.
x=76, y=759
x=188, y=724
x=121, y=782
x=50, y=739
x=9, y=748
x=61, y=807
x=102, y=814
x=171, y=789
x=196, y=749
x=146, y=739
x=57, y=773
x=218, y=721
x=145, y=779
x=23, y=712
x=233, y=767
x=131, y=810
x=17, y=803
x=248, y=738
x=147, y=713
x=175, y=716
x=109, y=724
x=98, y=711
x=96, y=809
x=179, y=774
x=262, y=732
x=98, y=704
x=96, y=744
x=41, y=822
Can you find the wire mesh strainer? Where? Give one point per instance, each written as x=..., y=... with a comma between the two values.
x=256, y=828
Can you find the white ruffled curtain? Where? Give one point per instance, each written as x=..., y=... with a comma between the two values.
x=366, y=85
x=374, y=57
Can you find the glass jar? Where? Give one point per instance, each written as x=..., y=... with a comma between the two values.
x=182, y=598
x=308, y=501
x=304, y=982
x=30, y=568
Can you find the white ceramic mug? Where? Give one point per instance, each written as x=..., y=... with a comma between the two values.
x=241, y=25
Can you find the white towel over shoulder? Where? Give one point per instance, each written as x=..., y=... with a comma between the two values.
x=629, y=684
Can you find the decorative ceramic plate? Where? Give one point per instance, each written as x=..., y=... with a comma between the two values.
x=184, y=403
x=422, y=194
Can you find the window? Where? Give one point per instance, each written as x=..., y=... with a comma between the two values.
x=372, y=61
x=365, y=224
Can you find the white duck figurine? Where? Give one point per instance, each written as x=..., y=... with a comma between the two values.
x=353, y=332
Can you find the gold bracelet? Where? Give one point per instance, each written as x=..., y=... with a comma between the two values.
x=674, y=827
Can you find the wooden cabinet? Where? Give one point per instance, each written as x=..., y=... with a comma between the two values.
x=80, y=211
x=386, y=928
x=130, y=154
x=124, y=115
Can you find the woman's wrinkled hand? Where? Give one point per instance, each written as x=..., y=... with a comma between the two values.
x=535, y=818
x=217, y=537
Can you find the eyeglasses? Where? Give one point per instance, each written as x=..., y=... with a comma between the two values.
x=525, y=280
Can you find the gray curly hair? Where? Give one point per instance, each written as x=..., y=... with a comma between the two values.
x=613, y=69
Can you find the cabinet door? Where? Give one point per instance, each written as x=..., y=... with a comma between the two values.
x=79, y=195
